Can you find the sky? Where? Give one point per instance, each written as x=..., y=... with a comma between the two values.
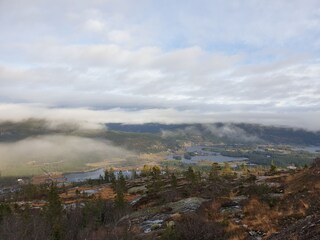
x=137, y=61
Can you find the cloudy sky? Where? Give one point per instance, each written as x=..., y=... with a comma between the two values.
x=161, y=61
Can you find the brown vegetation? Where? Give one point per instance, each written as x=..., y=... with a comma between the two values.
x=190, y=205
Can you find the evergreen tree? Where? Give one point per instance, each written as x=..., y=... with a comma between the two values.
x=106, y=176
x=190, y=175
x=273, y=167
x=134, y=174
x=120, y=189
x=54, y=212
x=5, y=210
x=112, y=178
x=119, y=200
x=214, y=172
x=174, y=182
x=156, y=182
x=121, y=183
x=101, y=179
x=54, y=208
x=155, y=172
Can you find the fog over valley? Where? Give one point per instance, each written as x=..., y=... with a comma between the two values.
x=168, y=120
x=57, y=153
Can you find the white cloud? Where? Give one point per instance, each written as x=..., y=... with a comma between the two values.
x=118, y=36
x=94, y=25
x=207, y=58
x=95, y=119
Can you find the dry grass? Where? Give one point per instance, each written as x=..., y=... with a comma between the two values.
x=235, y=232
x=41, y=179
x=260, y=216
x=107, y=193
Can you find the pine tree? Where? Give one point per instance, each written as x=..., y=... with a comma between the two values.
x=112, y=178
x=190, y=175
x=119, y=200
x=214, y=172
x=54, y=208
x=106, y=176
x=134, y=174
x=4, y=210
x=156, y=182
x=121, y=183
x=155, y=172
x=174, y=182
x=273, y=167
x=54, y=212
x=120, y=188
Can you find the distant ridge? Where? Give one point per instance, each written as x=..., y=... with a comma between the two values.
x=269, y=134
x=146, y=127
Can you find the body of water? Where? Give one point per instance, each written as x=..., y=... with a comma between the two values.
x=94, y=174
x=83, y=176
x=206, y=155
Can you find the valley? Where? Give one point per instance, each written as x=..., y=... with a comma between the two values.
x=153, y=184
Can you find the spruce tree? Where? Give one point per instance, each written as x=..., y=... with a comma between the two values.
x=190, y=175
x=174, y=182
x=121, y=182
x=112, y=178
x=54, y=212
x=106, y=176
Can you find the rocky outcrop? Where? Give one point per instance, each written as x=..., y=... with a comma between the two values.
x=304, y=229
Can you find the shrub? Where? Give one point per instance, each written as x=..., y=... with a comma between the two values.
x=192, y=227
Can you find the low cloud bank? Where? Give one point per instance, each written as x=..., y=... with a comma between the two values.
x=231, y=132
x=226, y=130
x=96, y=118
x=56, y=153
x=180, y=132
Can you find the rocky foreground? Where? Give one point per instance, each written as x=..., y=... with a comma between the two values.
x=189, y=205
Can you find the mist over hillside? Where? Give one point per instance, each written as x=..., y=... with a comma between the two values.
x=168, y=120
x=28, y=145
x=235, y=132
x=224, y=132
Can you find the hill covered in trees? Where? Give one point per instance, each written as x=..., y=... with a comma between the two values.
x=231, y=132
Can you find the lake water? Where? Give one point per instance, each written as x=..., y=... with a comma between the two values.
x=206, y=156
x=83, y=176
x=94, y=174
